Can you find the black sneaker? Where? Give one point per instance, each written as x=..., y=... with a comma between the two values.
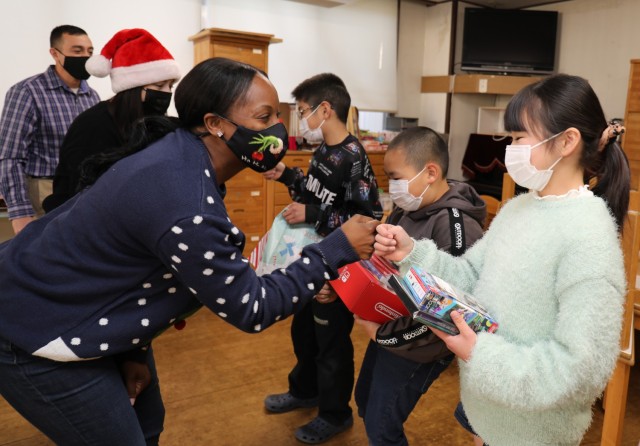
x=284, y=402
x=320, y=430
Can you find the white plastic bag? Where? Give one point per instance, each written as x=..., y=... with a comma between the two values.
x=282, y=245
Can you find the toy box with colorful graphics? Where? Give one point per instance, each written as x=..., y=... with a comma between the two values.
x=363, y=288
x=431, y=300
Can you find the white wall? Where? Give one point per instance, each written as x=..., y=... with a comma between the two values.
x=347, y=40
x=356, y=41
x=435, y=63
x=411, y=42
x=597, y=39
x=26, y=25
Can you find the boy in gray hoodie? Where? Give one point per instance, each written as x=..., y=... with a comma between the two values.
x=404, y=356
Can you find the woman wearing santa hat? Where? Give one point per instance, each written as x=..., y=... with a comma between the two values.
x=142, y=74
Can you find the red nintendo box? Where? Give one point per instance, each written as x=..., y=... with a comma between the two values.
x=363, y=288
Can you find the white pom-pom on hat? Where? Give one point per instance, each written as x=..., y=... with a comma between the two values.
x=98, y=66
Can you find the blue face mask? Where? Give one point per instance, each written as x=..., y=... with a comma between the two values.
x=261, y=150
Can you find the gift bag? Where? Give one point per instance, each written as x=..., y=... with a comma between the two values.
x=282, y=245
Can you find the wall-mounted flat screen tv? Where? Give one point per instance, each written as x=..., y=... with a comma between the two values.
x=509, y=41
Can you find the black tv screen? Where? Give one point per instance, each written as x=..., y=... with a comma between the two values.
x=509, y=40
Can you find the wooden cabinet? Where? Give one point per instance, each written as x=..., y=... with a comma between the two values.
x=251, y=48
x=377, y=164
x=631, y=138
x=248, y=200
x=631, y=146
x=246, y=203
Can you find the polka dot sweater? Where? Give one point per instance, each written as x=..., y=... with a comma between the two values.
x=150, y=243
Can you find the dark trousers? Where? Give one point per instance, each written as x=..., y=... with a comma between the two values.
x=321, y=335
x=388, y=389
x=462, y=419
x=80, y=403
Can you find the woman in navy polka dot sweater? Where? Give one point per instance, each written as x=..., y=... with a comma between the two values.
x=148, y=244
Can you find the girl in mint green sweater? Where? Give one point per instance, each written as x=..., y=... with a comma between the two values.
x=549, y=269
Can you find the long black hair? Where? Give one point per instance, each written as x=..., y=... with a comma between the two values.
x=143, y=133
x=212, y=86
x=126, y=108
x=556, y=103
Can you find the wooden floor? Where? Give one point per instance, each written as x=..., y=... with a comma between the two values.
x=214, y=379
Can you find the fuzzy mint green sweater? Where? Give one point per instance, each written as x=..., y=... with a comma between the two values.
x=552, y=274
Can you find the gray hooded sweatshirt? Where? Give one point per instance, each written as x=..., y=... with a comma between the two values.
x=404, y=336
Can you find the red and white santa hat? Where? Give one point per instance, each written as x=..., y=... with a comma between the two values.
x=133, y=58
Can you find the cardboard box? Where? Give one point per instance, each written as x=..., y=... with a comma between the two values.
x=363, y=288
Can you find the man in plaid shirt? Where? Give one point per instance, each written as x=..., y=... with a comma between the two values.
x=36, y=114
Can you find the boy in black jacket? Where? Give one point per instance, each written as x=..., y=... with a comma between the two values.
x=340, y=183
x=404, y=356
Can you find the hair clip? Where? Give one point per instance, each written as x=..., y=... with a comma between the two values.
x=610, y=133
x=616, y=127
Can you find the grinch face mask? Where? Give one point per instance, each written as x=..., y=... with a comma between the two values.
x=261, y=150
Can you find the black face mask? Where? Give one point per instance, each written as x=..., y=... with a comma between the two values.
x=74, y=65
x=261, y=150
x=155, y=102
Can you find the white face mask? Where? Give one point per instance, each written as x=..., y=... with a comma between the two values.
x=313, y=136
x=517, y=159
x=400, y=195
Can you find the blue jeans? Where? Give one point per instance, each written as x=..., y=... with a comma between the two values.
x=388, y=389
x=80, y=403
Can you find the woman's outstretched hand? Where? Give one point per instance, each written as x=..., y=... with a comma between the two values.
x=461, y=344
x=392, y=242
x=360, y=231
